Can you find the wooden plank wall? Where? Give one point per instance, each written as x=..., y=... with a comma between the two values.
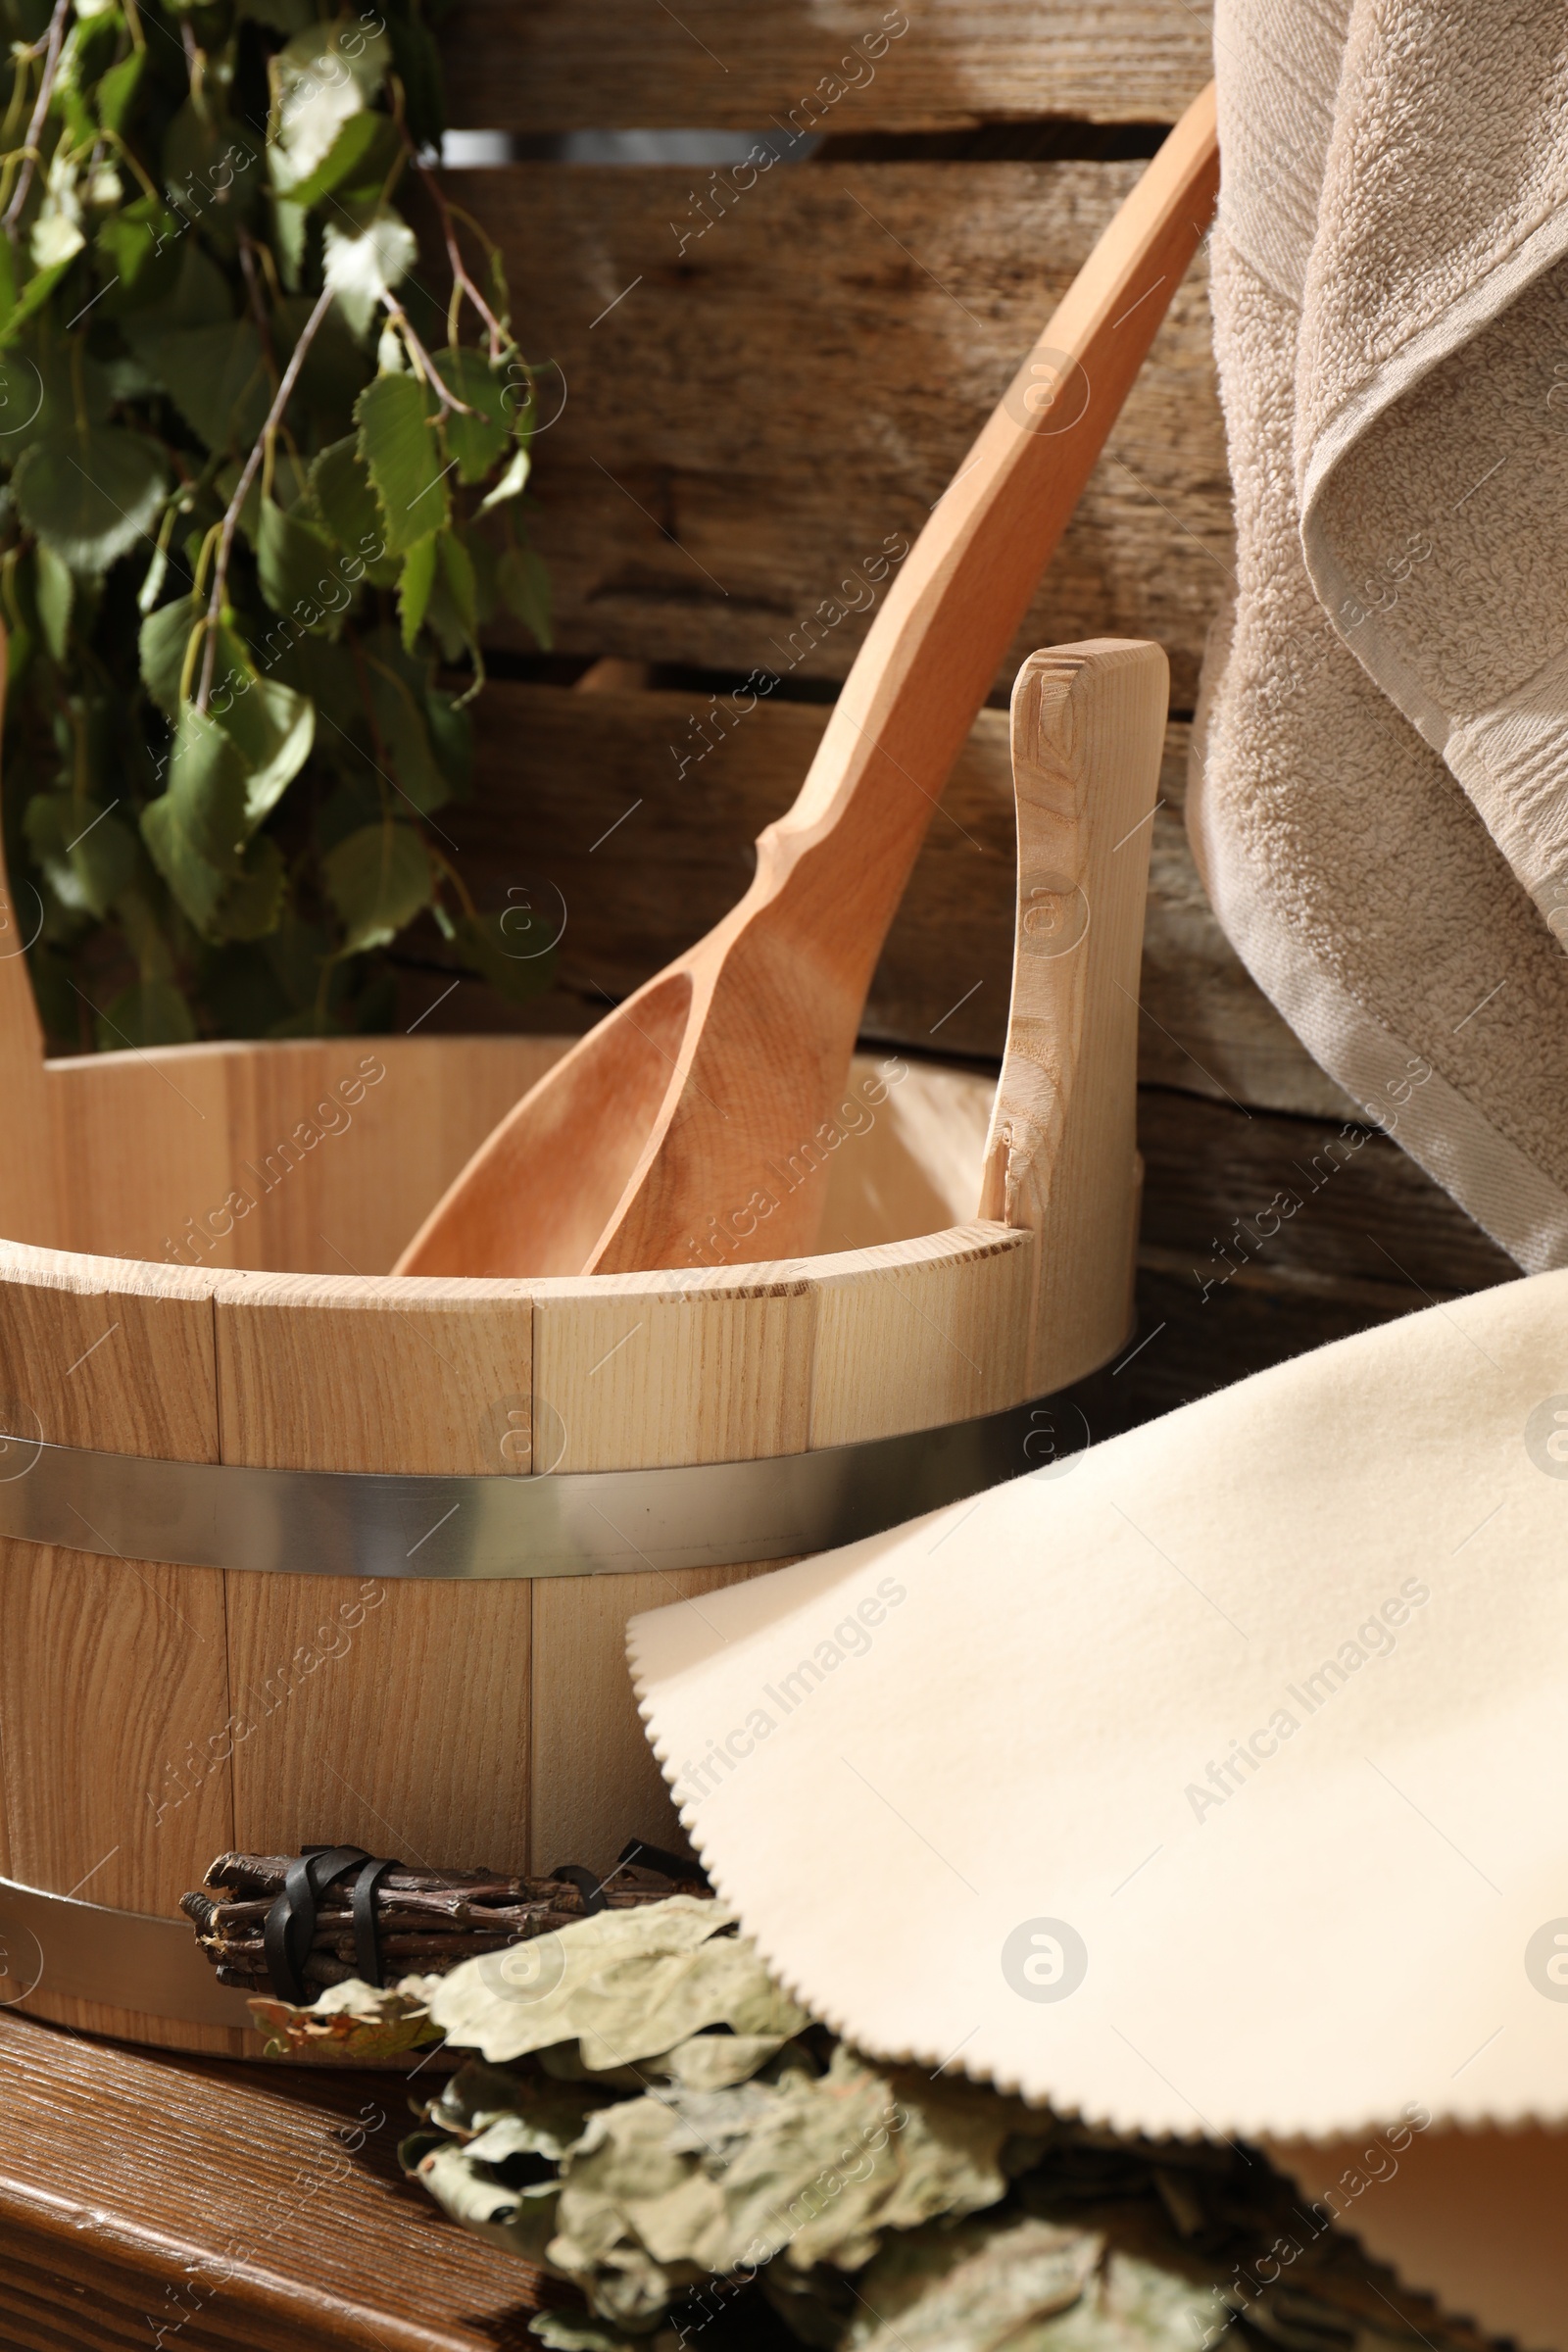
x=557, y=65
x=756, y=421
x=768, y=378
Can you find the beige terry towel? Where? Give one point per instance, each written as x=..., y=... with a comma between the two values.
x=1380, y=791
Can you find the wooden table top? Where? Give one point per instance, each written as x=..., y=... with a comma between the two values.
x=153, y=2200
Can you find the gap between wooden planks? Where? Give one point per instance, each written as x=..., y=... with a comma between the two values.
x=584, y=800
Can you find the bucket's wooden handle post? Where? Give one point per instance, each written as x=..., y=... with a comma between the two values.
x=1061, y=1158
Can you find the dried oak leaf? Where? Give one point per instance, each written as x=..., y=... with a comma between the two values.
x=1133, y=2306
x=467, y=2183
x=661, y=2190
x=973, y=2288
x=718, y=2061
x=545, y=2116
x=353, y=2024
x=574, y=2332
x=625, y=1985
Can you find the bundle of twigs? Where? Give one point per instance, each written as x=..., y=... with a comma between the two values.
x=426, y=1920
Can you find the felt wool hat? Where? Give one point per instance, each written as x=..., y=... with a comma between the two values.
x=1212, y=1781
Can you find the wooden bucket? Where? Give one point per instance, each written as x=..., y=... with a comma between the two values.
x=194, y=1290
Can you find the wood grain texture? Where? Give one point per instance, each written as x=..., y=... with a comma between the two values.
x=322, y=1372
x=555, y=770
x=215, y=1155
x=1232, y=1278
x=543, y=68
x=596, y=1781
x=1061, y=1160
x=349, y=1209
x=909, y=1165
x=940, y=1345
x=139, y=1139
x=1365, y=1213
x=238, y=2209
x=114, y=1680
x=390, y=1714
x=767, y=410
x=672, y=1368
x=403, y=1729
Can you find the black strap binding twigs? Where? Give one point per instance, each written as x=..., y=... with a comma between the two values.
x=366, y=1938
x=595, y=1890
x=683, y=1867
x=290, y=1927
x=590, y=1886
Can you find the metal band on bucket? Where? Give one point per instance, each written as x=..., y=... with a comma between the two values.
x=576, y=1523
x=50, y=1944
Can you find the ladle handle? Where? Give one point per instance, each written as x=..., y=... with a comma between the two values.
x=836, y=864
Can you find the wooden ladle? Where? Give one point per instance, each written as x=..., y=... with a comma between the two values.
x=700, y=1099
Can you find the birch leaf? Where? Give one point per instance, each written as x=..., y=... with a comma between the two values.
x=476, y=440
x=345, y=499
x=400, y=716
x=317, y=85
x=138, y=249
x=294, y=563
x=31, y=301
x=274, y=728
x=149, y=1012
x=363, y=265
x=1138, y=2306
x=718, y=2061
x=404, y=459
x=87, y=853
x=216, y=376
x=174, y=845
x=524, y=583
x=252, y=907
x=287, y=17
x=57, y=238
x=811, y=2170
x=117, y=92
x=362, y=154
x=164, y=641
x=56, y=593
x=378, y=879
x=196, y=832
x=414, y=589
x=510, y=485
x=92, y=495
